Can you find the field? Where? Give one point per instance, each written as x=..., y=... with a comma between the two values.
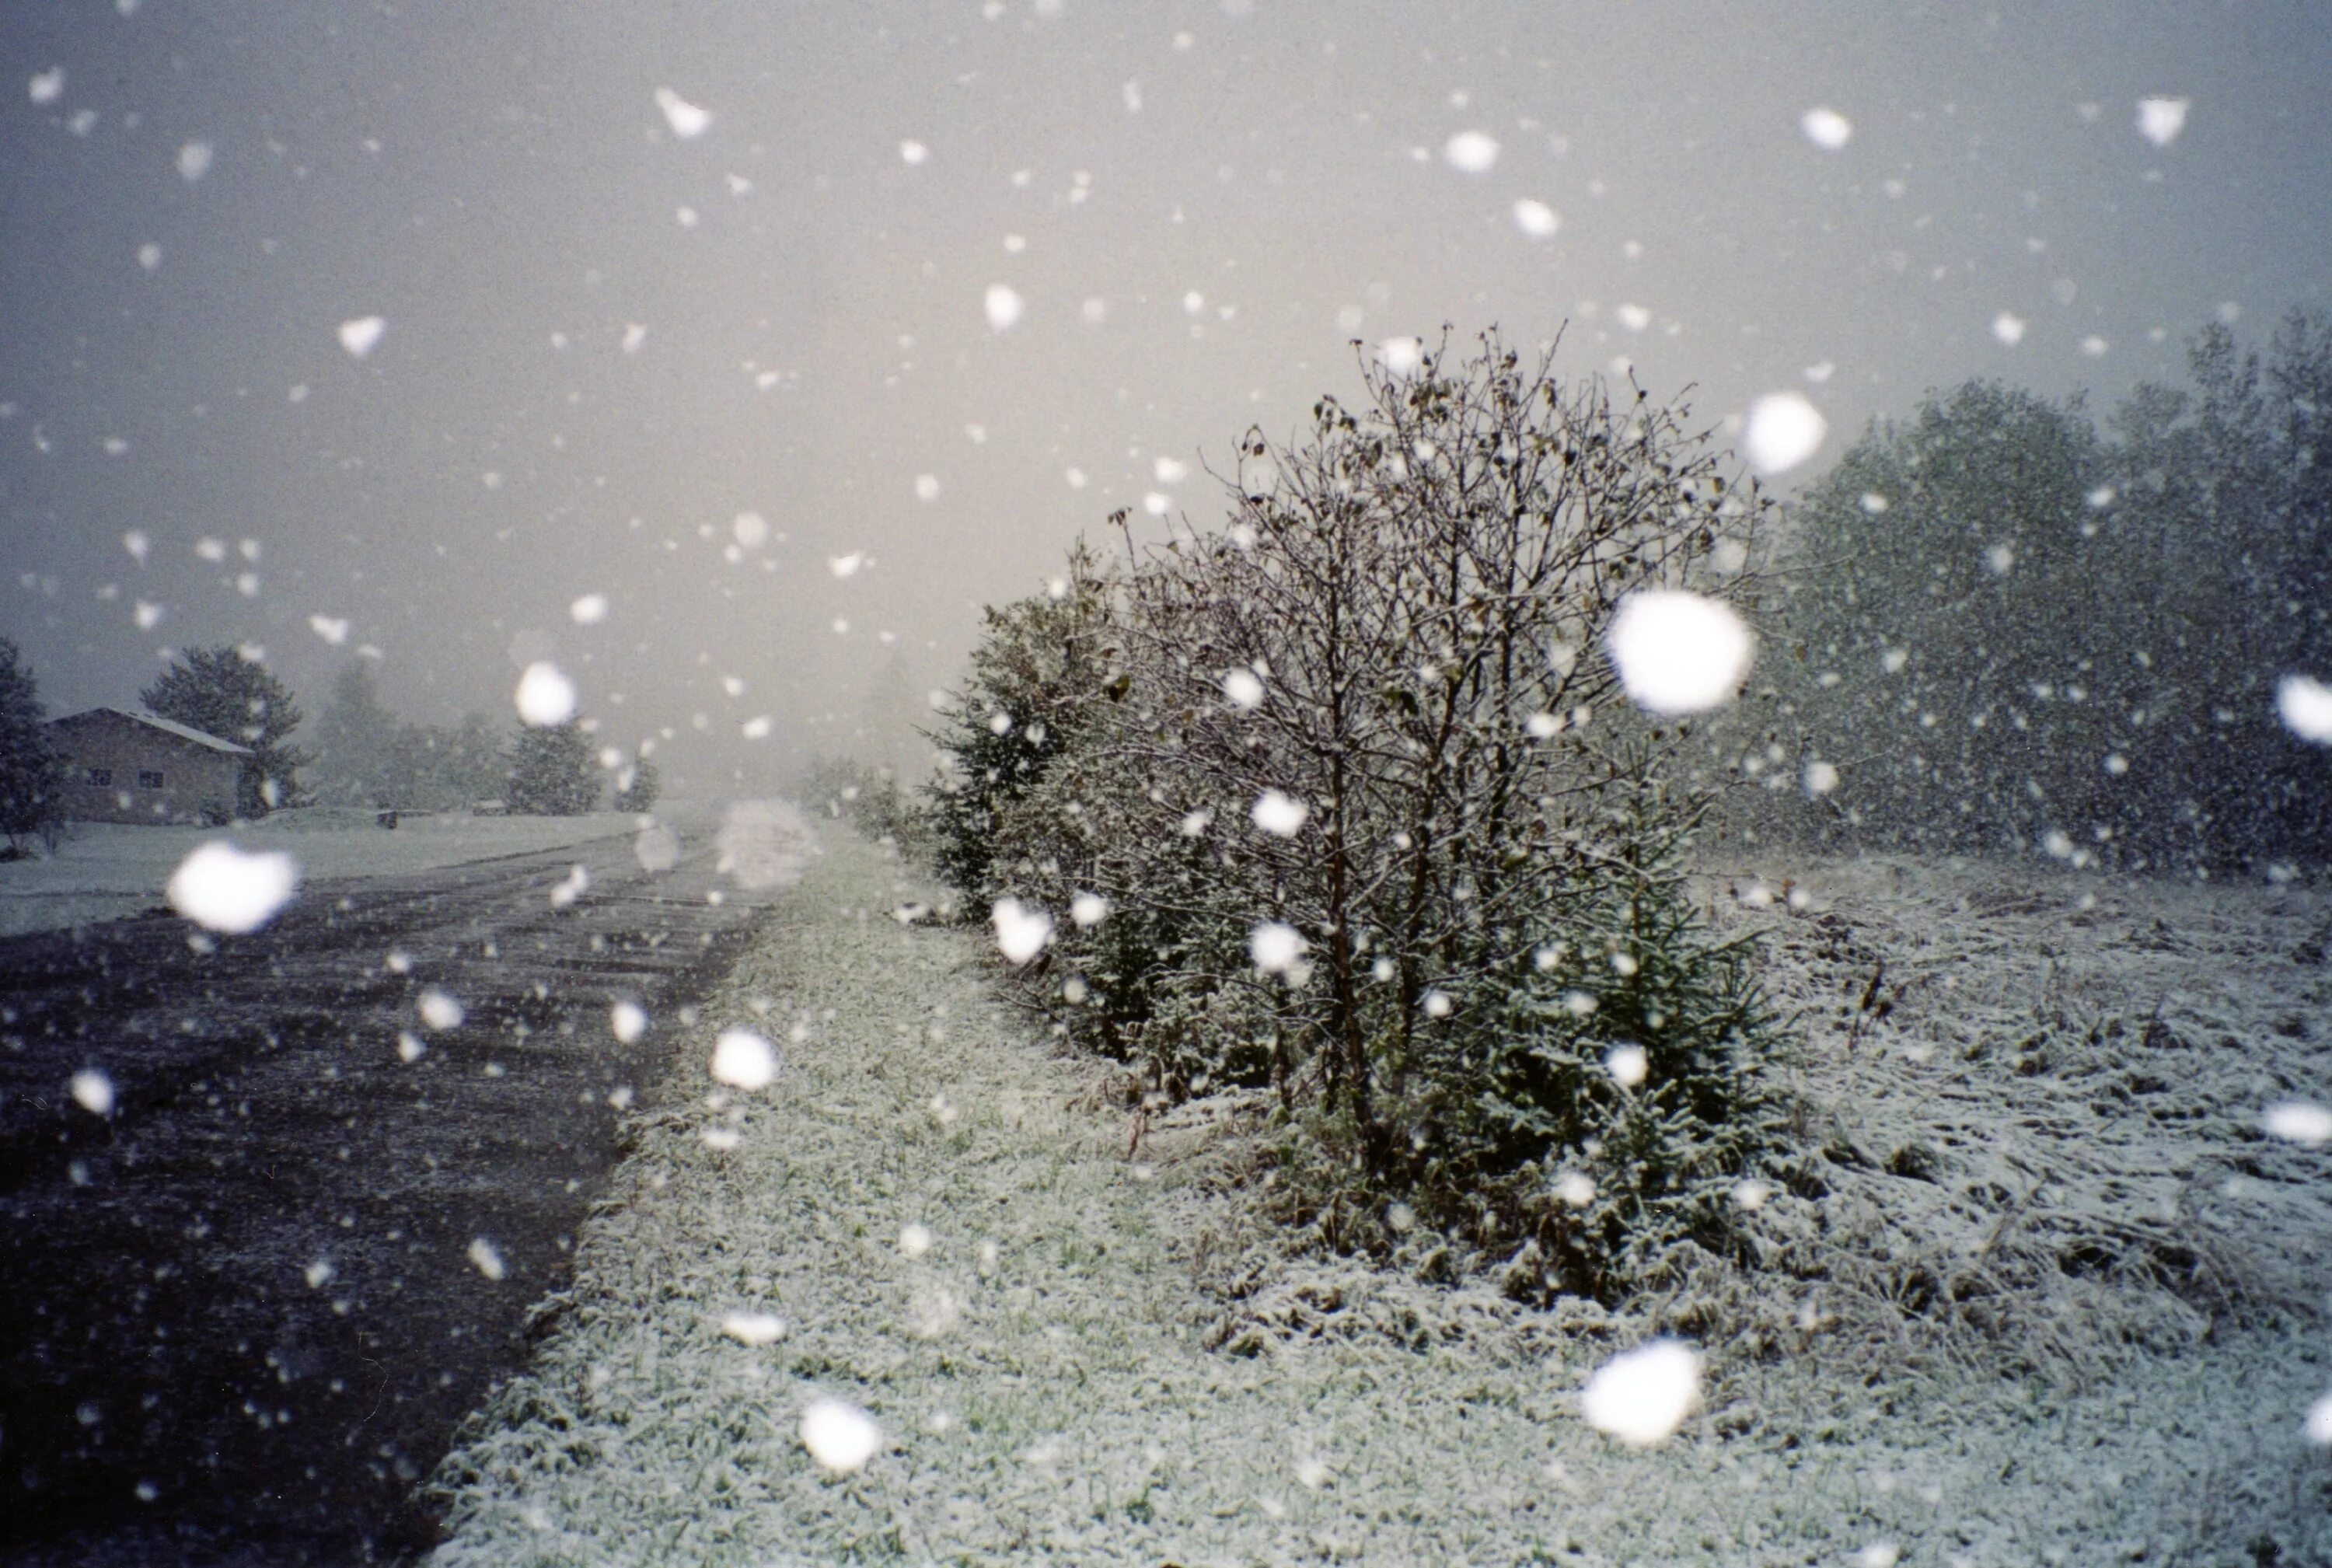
x=2046, y=1293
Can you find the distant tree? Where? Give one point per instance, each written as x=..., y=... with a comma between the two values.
x=637, y=787
x=32, y=770
x=221, y=693
x=357, y=745
x=553, y=772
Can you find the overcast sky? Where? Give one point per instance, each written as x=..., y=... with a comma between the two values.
x=604, y=339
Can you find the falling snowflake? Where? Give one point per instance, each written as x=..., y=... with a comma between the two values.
x=687, y=120
x=48, y=86
x=1783, y=429
x=846, y=565
x=1275, y=947
x=2160, y=119
x=1402, y=356
x=1537, y=219
x=1627, y=1065
x=628, y=1021
x=360, y=333
x=1021, y=929
x=1820, y=778
x=545, y=696
x=840, y=1437
x=1279, y=814
x=1088, y=910
x=1003, y=306
x=1641, y=1396
x=2298, y=1122
x=222, y=888
x=487, y=1258
x=1471, y=151
x=914, y=152
x=743, y=1059
x=927, y=487
x=438, y=1009
x=1244, y=690
x=1678, y=652
x=193, y=160
x=753, y=1328
x=1825, y=128
x=2305, y=706
x=93, y=1090
x=332, y=629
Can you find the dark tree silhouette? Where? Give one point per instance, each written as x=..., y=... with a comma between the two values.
x=222, y=694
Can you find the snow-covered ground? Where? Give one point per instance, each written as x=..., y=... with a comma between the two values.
x=932, y=1217
x=107, y=870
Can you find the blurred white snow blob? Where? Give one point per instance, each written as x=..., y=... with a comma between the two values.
x=1825, y=128
x=2298, y=1122
x=1635, y=318
x=2305, y=708
x=1873, y=502
x=756, y=728
x=1821, y=778
x=751, y=530
x=136, y=542
x=1157, y=503
x=2009, y=328
x=1750, y=1194
x=486, y=1259
x=2160, y=119
x=333, y=629
x=687, y=120
x=657, y=848
x=409, y=1048
x=1022, y=929
x=318, y=1273
x=2319, y=1425
x=1878, y=1555
x=927, y=487
x=1282, y=816
x=438, y=1009
x=1195, y=823
x=753, y=1328
x=1244, y=689
x=193, y=160
x=149, y=256
x=1402, y=356
x=545, y=697
x=1471, y=151
x=1275, y=947
x=634, y=334
x=2000, y=559
x=93, y=1090
x=1784, y=429
x=1003, y=306
x=1627, y=1065
x=589, y=610
x=359, y=333
x=1088, y=910
x=221, y=888
x=1576, y=1188
x=1678, y=652
x=1437, y=1004
x=48, y=86
x=1641, y=1396
x=912, y=152
x=743, y=1059
x=846, y=565
x=840, y=1437
x=915, y=1241
x=1537, y=219
x=628, y=1021
x=577, y=883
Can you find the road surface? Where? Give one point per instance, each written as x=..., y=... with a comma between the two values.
x=242, y=1313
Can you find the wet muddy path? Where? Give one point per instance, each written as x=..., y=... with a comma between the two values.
x=241, y=1315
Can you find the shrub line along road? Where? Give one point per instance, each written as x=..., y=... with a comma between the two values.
x=241, y=1315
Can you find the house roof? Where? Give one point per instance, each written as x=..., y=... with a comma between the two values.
x=167, y=726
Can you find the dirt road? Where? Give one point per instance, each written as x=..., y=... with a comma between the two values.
x=243, y=1313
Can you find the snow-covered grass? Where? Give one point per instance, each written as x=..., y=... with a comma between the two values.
x=1078, y=1351
x=104, y=870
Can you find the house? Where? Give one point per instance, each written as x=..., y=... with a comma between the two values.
x=133, y=766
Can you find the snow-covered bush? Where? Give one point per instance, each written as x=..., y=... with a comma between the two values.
x=33, y=770
x=1344, y=799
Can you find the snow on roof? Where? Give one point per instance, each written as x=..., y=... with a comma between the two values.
x=167, y=726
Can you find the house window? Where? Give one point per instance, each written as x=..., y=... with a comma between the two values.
x=149, y=778
x=100, y=778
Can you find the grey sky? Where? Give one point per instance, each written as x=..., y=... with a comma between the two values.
x=1242, y=189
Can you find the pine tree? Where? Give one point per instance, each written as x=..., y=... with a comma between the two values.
x=552, y=771
x=32, y=770
x=637, y=787
x=222, y=694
